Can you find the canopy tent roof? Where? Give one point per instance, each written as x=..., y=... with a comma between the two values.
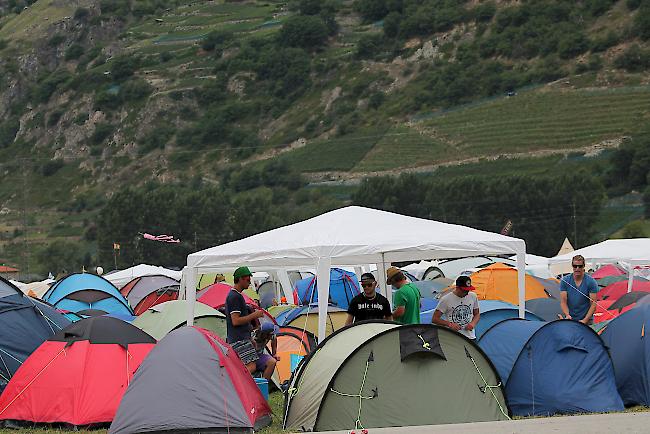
x=633, y=251
x=122, y=277
x=355, y=235
x=350, y=236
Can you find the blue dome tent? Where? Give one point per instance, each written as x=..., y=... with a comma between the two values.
x=628, y=345
x=25, y=323
x=343, y=287
x=492, y=312
x=82, y=291
x=552, y=367
x=495, y=311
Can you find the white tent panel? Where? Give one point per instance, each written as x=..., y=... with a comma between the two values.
x=122, y=277
x=352, y=236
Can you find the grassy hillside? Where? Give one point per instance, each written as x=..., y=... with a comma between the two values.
x=96, y=95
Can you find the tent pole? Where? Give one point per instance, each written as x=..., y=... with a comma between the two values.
x=630, y=276
x=521, y=282
x=285, y=283
x=189, y=277
x=323, y=281
x=381, y=277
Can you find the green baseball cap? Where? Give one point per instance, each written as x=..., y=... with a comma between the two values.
x=241, y=272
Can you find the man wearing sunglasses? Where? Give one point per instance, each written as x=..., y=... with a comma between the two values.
x=369, y=304
x=578, y=293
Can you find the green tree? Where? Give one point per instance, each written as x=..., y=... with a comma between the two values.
x=635, y=229
x=308, y=32
x=61, y=257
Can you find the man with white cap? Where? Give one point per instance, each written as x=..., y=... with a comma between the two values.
x=460, y=307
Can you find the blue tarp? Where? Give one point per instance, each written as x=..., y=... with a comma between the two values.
x=25, y=324
x=87, y=291
x=626, y=337
x=552, y=367
x=343, y=287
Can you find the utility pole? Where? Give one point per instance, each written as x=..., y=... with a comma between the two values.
x=25, y=249
x=575, y=226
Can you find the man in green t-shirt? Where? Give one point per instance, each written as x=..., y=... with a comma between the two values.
x=406, y=301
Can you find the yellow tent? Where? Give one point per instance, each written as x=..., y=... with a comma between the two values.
x=499, y=282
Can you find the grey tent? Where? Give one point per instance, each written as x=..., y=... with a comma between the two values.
x=146, y=291
x=546, y=308
x=192, y=381
x=379, y=374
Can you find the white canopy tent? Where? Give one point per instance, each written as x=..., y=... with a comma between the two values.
x=627, y=252
x=122, y=277
x=351, y=236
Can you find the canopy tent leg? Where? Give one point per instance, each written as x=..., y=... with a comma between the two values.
x=323, y=278
x=521, y=282
x=188, y=286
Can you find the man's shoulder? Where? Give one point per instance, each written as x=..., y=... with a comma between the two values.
x=233, y=295
x=381, y=298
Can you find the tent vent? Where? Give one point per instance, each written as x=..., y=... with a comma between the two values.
x=419, y=340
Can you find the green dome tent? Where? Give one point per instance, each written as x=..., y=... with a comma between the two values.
x=377, y=374
x=161, y=319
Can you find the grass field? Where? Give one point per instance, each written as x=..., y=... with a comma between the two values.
x=33, y=23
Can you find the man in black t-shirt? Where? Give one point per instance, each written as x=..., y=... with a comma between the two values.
x=369, y=304
x=239, y=319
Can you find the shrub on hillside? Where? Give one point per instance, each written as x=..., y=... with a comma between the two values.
x=47, y=86
x=308, y=32
x=371, y=10
x=51, y=167
x=135, y=90
x=572, y=45
x=216, y=38
x=74, y=52
x=123, y=67
x=81, y=14
x=370, y=46
x=634, y=59
x=56, y=40
x=641, y=25
x=8, y=130
x=101, y=133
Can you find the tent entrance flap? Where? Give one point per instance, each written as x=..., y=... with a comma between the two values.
x=419, y=340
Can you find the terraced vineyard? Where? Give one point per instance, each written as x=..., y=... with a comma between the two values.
x=539, y=120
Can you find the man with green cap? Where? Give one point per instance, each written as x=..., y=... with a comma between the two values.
x=239, y=319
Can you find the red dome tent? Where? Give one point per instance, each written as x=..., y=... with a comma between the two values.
x=146, y=291
x=192, y=382
x=608, y=270
x=215, y=297
x=78, y=376
x=618, y=289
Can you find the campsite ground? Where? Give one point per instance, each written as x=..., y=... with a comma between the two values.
x=276, y=401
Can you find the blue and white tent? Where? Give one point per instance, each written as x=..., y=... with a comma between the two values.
x=629, y=347
x=83, y=291
x=552, y=367
x=343, y=287
x=25, y=323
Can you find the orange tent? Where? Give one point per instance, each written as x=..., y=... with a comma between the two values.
x=499, y=282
